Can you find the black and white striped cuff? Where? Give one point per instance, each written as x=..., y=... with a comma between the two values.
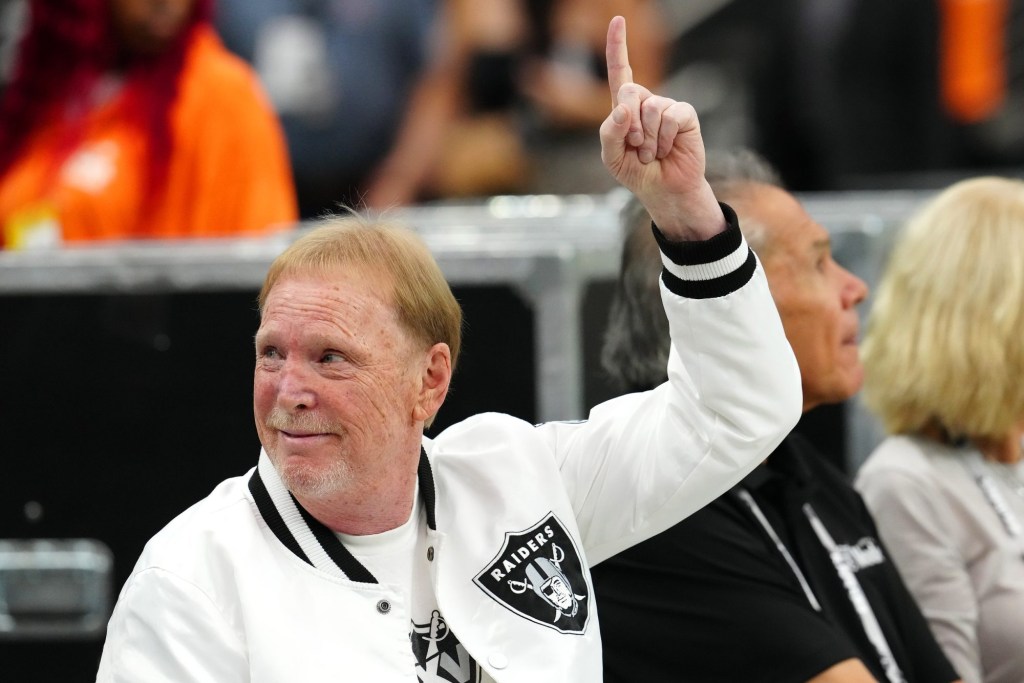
x=709, y=268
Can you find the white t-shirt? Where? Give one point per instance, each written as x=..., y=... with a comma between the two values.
x=401, y=558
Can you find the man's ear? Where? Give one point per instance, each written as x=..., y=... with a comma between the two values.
x=434, y=381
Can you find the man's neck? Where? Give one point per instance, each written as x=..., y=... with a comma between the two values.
x=371, y=504
x=372, y=511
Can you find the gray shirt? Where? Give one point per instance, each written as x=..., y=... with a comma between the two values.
x=955, y=548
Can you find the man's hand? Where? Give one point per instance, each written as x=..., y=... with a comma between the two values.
x=652, y=145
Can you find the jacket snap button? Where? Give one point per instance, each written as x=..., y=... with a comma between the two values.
x=383, y=606
x=497, y=660
x=430, y=554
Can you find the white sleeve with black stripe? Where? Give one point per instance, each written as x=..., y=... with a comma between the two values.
x=710, y=268
x=644, y=461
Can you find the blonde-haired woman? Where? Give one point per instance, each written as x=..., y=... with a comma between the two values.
x=944, y=361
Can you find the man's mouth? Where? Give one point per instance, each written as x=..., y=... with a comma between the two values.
x=301, y=435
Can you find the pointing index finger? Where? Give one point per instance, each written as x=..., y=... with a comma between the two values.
x=617, y=56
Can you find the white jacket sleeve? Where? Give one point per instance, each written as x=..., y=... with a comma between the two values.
x=189, y=640
x=643, y=462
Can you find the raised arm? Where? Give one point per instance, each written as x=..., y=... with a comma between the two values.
x=645, y=461
x=652, y=145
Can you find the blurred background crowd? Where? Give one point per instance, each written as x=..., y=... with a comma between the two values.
x=122, y=118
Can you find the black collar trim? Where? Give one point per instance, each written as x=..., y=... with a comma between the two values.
x=272, y=517
x=352, y=568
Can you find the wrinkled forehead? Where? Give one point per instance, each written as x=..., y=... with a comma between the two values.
x=340, y=288
x=332, y=276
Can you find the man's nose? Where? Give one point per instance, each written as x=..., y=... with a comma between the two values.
x=855, y=290
x=295, y=389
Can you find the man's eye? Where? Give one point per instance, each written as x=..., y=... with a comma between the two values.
x=332, y=357
x=269, y=352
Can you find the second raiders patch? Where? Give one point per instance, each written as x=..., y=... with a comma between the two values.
x=538, y=575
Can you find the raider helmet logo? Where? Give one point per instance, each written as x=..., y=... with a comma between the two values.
x=538, y=575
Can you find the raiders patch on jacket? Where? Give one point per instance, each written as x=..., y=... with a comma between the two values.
x=538, y=574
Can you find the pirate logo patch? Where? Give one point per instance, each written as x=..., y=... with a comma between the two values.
x=538, y=575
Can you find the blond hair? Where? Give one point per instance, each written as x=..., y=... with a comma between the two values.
x=423, y=301
x=944, y=347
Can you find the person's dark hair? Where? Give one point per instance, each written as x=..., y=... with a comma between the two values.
x=636, y=341
x=68, y=45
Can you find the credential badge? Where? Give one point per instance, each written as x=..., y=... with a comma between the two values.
x=538, y=574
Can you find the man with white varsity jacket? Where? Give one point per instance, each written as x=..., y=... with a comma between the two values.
x=359, y=550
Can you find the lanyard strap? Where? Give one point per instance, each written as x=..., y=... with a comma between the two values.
x=755, y=510
x=844, y=568
x=994, y=496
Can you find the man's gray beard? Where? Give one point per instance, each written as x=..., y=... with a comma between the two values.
x=312, y=481
x=305, y=478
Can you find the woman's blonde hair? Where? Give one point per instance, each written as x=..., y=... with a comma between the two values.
x=420, y=294
x=944, y=347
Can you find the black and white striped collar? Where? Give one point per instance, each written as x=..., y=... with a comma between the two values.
x=307, y=538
